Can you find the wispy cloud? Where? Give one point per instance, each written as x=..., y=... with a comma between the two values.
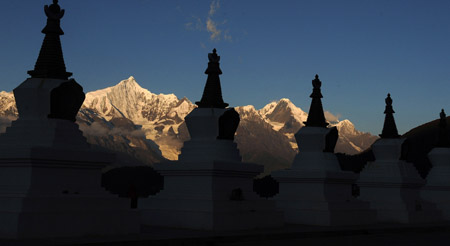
x=331, y=117
x=213, y=26
x=195, y=24
x=227, y=36
x=213, y=7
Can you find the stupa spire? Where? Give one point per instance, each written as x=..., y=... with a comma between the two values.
x=316, y=116
x=50, y=63
x=212, y=94
x=443, y=140
x=389, y=127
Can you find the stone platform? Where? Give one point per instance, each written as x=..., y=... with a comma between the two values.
x=380, y=234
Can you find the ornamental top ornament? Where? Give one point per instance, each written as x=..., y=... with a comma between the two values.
x=54, y=14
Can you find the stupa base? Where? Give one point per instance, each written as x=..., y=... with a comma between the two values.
x=320, y=198
x=216, y=195
x=46, y=193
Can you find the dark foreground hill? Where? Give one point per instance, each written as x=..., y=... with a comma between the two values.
x=420, y=141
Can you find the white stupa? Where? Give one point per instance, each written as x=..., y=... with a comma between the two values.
x=391, y=184
x=209, y=188
x=315, y=190
x=437, y=188
x=49, y=176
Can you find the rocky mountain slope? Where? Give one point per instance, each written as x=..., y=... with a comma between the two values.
x=150, y=127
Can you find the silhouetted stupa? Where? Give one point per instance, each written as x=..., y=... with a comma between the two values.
x=437, y=187
x=54, y=189
x=389, y=127
x=315, y=191
x=392, y=185
x=50, y=63
x=443, y=140
x=209, y=187
x=212, y=94
x=316, y=116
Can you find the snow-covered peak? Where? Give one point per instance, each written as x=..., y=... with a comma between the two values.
x=346, y=127
x=181, y=109
x=285, y=100
x=283, y=110
x=268, y=109
x=248, y=108
x=6, y=94
x=247, y=111
x=128, y=99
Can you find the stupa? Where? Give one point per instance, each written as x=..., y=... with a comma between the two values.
x=437, y=188
x=315, y=190
x=49, y=176
x=391, y=184
x=209, y=188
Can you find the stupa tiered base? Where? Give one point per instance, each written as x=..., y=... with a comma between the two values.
x=50, y=178
x=320, y=198
x=392, y=186
x=437, y=188
x=46, y=192
x=209, y=195
x=315, y=191
x=49, y=193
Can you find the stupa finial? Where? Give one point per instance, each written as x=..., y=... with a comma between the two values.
x=443, y=119
x=443, y=140
x=50, y=63
x=389, y=127
x=212, y=94
x=54, y=14
x=316, y=117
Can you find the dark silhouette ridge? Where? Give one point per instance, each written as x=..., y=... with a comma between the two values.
x=316, y=116
x=228, y=124
x=212, y=94
x=389, y=127
x=420, y=141
x=443, y=140
x=50, y=62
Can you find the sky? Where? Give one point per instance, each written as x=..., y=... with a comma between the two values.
x=361, y=50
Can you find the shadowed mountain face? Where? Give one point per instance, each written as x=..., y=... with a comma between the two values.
x=259, y=143
x=119, y=135
x=150, y=127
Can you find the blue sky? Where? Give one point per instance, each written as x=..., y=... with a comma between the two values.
x=269, y=50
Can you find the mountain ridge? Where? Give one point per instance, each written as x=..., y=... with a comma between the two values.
x=153, y=121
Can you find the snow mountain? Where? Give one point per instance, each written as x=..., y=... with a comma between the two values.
x=286, y=118
x=159, y=115
x=150, y=127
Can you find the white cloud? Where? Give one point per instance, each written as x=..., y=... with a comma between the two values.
x=189, y=25
x=227, y=36
x=211, y=26
x=195, y=24
x=213, y=7
x=331, y=117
